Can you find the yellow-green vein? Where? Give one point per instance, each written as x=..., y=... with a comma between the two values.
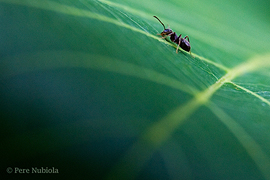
x=252, y=93
x=159, y=132
x=207, y=38
x=252, y=147
x=37, y=61
x=200, y=98
x=73, y=11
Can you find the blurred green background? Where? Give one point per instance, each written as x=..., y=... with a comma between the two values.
x=89, y=88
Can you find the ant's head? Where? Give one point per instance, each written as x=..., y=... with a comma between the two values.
x=166, y=31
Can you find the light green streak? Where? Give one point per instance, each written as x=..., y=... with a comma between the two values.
x=220, y=66
x=156, y=135
x=206, y=38
x=251, y=146
x=141, y=151
x=252, y=93
x=26, y=63
x=60, y=8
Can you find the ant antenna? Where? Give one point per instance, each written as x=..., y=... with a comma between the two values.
x=159, y=21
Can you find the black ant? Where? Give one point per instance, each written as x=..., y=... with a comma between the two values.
x=182, y=42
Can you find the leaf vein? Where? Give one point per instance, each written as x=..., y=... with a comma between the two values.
x=65, y=9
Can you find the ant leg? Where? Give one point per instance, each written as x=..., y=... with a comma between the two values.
x=163, y=37
x=179, y=42
x=186, y=37
x=191, y=54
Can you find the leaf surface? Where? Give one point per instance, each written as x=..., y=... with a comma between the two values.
x=91, y=82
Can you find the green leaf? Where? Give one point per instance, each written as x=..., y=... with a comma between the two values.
x=89, y=88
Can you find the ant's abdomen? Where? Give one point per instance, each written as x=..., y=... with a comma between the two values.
x=185, y=45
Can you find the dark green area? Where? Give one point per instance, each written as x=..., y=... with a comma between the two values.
x=83, y=120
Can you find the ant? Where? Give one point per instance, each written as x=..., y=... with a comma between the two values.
x=182, y=42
